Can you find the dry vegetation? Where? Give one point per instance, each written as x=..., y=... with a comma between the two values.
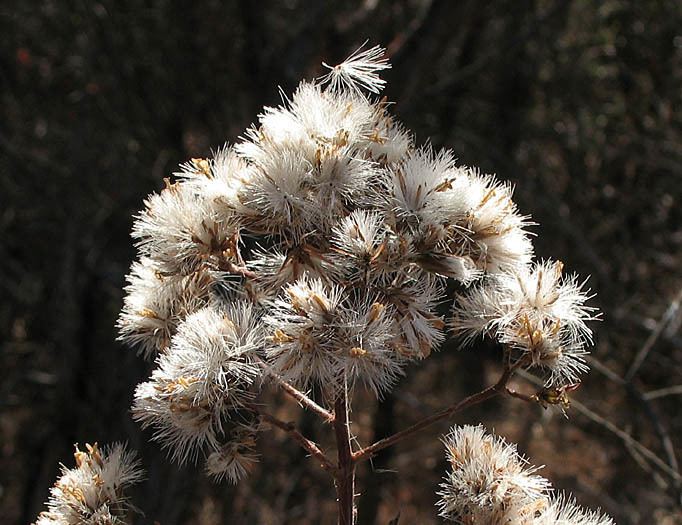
x=578, y=102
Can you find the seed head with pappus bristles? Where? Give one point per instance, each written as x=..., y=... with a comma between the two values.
x=181, y=231
x=562, y=510
x=367, y=352
x=460, y=224
x=315, y=124
x=235, y=458
x=364, y=246
x=417, y=190
x=155, y=304
x=206, y=375
x=359, y=71
x=535, y=311
x=301, y=326
x=389, y=141
x=489, y=483
x=491, y=232
x=93, y=492
x=413, y=300
x=218, y=179
x=318, y=334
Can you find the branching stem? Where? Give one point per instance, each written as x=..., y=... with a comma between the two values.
x=474, y=399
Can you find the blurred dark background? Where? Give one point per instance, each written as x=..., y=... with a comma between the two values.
x=578, y=103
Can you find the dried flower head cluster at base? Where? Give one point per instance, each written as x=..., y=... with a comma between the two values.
x=93, y=493
x=489, y=483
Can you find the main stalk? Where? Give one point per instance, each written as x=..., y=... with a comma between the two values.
x=345, y=479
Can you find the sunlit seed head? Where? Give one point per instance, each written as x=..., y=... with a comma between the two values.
x=93, y=492
x=488, y=483
x=536, y=311
x=208, y=371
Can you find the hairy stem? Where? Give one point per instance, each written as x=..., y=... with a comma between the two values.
x=305, y=401
x=299, y=396
x=345, y=479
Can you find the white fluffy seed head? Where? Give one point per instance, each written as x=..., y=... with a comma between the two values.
x=535, y=311
x=389, y=142
x=301, y=326
x=310, y=162
x=491, y=231
x=218, y=179
x=276, y=269
x=360, y=234
x=460, y=224
x=155, y=304
x=234, y=459
x=182, y=232
x=93, y=492
x=315, y=123
x=413, y=299
x=206, y=374
x=364, y=247
x=277, y=194
x=417, y=190
x=562, y=510
x=340, y=183
x=365, y=346
x=489, y=483
x=319, y=334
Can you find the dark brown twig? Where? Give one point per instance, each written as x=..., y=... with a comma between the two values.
x=519, y=395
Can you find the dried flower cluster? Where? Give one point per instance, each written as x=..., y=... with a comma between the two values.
x=491, y=484
x=318, y=249
x=93, y=492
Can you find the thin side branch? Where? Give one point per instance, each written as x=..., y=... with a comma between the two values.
x=521, y=396
x=299, y=396
x=668, y=315
x=483, y=395
x=627, y=439
x=288, y=427
x=663, y=392
x=644, y=401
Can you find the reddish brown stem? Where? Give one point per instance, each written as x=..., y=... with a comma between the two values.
x=299, y=396
x=304, y=400
x=345, y=479
x=306, y=443
x=472, y=400
x=522, y=396
x=232, y=268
